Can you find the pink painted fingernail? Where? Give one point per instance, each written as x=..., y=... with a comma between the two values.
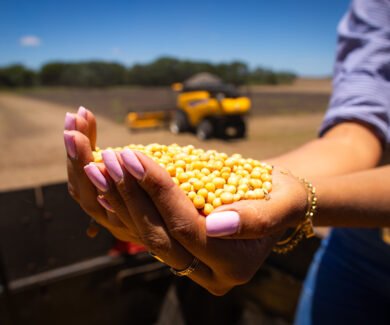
x=132, y=164
x=82, y=112
x=70, y=144
x=112, y=165
x=70, y=122
x=96, y=177
x=104, y=203
x=222, y=223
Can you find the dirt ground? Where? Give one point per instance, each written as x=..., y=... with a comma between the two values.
x=301, y=85
x=32, y=139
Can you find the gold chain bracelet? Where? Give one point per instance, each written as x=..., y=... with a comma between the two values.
x=305, y=228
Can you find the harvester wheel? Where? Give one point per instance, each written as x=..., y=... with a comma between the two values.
x=205, y=130
x=179, y=123
x=233, y=128
x=241, y=128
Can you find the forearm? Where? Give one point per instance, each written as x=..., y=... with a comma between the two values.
x=350, y=192
x=346, y=148
x=355, y=200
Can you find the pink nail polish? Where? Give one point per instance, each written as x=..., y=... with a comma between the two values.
x=96, y=177
x=82, y=112
x=112, y=165
x=222, y=223
x=70, y=122
x=104, y=203
x=70, y=144
x=132, y=164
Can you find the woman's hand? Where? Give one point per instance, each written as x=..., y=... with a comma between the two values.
x=169, y=225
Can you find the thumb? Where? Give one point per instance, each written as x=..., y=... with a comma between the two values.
x=249, y=219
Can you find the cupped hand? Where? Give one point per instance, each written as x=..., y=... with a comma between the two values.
x=169, y=225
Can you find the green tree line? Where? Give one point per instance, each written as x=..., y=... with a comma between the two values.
x=161, y=72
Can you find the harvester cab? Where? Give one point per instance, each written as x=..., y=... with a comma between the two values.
x=210, y=108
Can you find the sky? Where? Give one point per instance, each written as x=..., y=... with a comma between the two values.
x=294, y=35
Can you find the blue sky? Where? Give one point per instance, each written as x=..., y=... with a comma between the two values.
x=297, y=35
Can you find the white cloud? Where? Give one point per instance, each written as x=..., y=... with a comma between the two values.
x=117, y=51
x=30, y=40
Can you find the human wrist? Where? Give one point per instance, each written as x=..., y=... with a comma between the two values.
x=296, y=202
x=302, y=222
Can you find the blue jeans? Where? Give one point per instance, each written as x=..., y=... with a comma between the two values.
x=348, y=281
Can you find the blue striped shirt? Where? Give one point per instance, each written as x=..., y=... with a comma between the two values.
x=361, y=83
x=349, y=278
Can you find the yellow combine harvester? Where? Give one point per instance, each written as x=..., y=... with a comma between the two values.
x=205, y=106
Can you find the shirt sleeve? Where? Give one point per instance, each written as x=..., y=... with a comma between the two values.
x=361, y=82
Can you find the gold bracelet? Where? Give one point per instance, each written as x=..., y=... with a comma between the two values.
x=305, y=228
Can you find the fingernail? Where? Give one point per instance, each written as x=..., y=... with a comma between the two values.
x=96, y=177
x=222, y=223
x=104, y=203
x=70, y=145
x=132, y=164
x=112, y=165
x=70, y=122
x=82, y=112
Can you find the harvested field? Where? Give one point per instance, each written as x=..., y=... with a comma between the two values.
x=303, y=97
x=31, y=127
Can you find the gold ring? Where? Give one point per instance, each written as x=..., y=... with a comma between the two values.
x=187, y=271
x=156, y=257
